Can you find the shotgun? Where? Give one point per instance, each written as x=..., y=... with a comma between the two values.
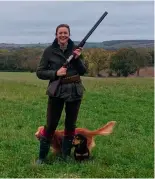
x=54, y=85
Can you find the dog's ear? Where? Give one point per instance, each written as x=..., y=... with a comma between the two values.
x=84, y=140
x=81, y=141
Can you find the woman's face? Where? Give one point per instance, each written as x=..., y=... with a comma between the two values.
x=63, y=35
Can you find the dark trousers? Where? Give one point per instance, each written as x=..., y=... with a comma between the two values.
x=54, y=110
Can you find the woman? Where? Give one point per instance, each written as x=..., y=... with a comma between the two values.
x=69, y=92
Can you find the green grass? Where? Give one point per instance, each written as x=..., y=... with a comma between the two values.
x=127, y=153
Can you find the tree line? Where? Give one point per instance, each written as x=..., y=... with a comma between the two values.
x=122, y=62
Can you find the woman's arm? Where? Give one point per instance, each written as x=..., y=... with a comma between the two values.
x=43, y=71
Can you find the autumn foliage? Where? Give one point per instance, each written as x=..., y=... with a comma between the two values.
x=122, y=62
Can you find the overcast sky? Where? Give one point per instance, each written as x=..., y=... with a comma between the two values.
x=34, y=22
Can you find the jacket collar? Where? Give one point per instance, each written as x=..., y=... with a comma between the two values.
x=70, y=45
x=56, y=47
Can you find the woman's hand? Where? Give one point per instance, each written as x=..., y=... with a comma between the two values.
x=77, y=52
x=62, y=71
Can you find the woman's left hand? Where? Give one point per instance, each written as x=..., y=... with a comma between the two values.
x=77, y=52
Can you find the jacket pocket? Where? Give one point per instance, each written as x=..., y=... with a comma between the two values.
x=80, y=89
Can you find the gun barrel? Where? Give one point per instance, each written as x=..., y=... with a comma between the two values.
x=81, y=44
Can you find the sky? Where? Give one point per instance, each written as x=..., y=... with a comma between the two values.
x=36, y=21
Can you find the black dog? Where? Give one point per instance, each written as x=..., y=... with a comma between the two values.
x=81, y=151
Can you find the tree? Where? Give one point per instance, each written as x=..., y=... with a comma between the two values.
x=108, y=62
x=96, y=60
x=151, y=52
x=123, y=62
x=142, y=58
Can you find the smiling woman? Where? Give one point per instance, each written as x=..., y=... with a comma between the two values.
x=62, y=34
x=69, y=92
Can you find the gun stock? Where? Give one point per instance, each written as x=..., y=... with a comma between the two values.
x=54, y=85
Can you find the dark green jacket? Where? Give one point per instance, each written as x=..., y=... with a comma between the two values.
x=52, y=60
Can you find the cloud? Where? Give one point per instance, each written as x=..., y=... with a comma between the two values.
x=36, y=21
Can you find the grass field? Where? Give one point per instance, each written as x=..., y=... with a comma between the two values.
x=127, y=153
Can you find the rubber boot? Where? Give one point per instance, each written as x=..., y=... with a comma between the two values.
x=66, y=147
x=44, y=149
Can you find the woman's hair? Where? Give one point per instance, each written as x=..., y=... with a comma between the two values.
x=63, y=25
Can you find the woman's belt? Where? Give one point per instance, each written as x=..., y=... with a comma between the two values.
x=71, y=79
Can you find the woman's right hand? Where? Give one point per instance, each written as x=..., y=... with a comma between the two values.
x=62, y=71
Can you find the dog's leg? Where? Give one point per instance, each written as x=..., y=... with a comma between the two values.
x=91, y=144
x=56, y=151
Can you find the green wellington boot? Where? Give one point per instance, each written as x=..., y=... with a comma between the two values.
x=44, y=149
x=66, y=147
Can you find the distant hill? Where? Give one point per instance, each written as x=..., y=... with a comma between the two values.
x=108, y=45
x=116, y=44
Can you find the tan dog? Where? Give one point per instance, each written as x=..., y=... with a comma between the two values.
x=57, y=138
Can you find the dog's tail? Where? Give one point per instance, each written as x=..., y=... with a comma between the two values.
x=105, y=130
